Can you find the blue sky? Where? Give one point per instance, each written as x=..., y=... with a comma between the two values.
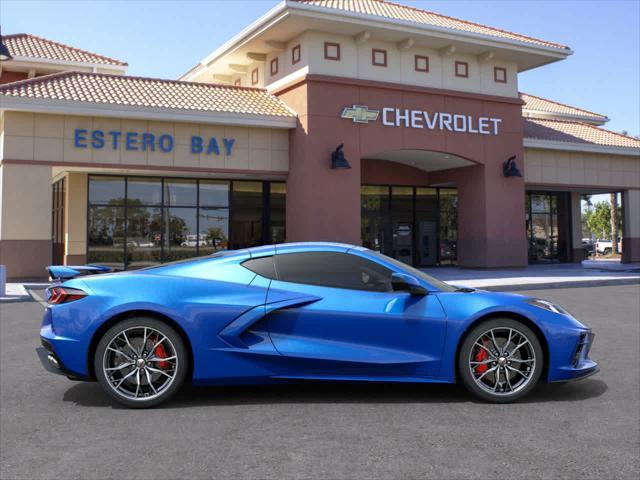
x=166, y=38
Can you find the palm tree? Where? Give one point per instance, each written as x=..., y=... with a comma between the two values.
x=614, y=222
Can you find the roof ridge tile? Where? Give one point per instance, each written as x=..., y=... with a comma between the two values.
x=507, y=33
x=599, y=115
x=70, y=47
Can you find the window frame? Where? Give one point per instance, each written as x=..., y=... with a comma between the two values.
x=495, y=74
x=255, y=76
x=296, y=54
x=274, y=62
x=465, y=65
x=417, y=58
x=375, y=51
x=327, y=45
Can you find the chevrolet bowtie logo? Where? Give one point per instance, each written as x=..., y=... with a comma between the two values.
x=360, y=114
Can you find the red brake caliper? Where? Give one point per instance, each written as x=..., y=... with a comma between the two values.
x=160, y=352
x=481, y=356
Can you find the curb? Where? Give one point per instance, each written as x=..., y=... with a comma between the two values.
x=551, y=285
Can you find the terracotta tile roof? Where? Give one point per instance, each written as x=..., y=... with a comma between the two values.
x=148, y=92
x=27, y=45
x=545, y=105
x=395, y=11
x=575, y=132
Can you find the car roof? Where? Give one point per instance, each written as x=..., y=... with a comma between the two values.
x=302, y=247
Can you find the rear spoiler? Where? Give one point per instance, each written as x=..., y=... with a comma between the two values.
x=60, y=273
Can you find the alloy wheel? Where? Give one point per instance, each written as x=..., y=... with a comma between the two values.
x=502, y=361
x=140, y=363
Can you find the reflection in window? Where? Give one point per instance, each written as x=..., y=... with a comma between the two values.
x=144, y=191
x=105, y=243
x=144, y=235
x=180, y=234
x=214, y=230
x=180, y=193
x=214, y=193
x=246, y=215
x=277, y=216
x=332, y=269
x=448, y=226
x=106, y=190
x=139, y=221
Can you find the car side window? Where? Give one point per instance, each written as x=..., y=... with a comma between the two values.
x=333, y=269
x=263, y=266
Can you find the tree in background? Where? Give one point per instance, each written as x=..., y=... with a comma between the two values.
x=598, y=220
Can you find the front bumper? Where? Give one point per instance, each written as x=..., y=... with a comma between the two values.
x=579, y=366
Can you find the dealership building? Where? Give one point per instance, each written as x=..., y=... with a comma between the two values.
x=365, y=122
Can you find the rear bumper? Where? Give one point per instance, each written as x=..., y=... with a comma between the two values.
x=52, y=362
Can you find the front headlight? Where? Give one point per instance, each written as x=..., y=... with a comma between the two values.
x=536, y=302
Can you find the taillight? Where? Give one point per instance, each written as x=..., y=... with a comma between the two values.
x=58, y=295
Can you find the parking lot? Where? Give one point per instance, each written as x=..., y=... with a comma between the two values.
x=54, y=428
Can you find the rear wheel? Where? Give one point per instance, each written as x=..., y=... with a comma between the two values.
x=500, y=360
x=141, y=362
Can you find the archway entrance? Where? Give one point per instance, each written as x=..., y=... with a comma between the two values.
x=409, y=207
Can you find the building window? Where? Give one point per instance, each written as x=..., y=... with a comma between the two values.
x=378, y=57
x=500, y=74
x=421, y=63
x=331, y=51
x=238, y=82
x=273, y=67
x=462, y=69
x=140, y=221
x=57, y=221
x=254, y=76
x=295, y=54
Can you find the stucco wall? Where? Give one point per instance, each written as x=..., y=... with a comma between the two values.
x=50, y=138
x=356, y=62
x=554, y=167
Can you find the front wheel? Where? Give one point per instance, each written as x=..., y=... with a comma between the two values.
x=500, y=360
x=141, y=362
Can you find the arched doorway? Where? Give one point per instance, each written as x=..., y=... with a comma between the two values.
x=409, y=205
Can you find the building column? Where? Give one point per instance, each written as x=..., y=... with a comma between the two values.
x=322, y=204
x=491, y=219
x=631, y=239
x=577, y=252
x=25, y=220
x=75, y=219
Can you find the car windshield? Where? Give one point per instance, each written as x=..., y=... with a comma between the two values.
x=440, y=285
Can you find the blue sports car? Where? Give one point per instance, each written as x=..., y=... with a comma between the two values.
x=306, y=311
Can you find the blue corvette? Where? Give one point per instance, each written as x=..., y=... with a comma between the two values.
x=307, y=311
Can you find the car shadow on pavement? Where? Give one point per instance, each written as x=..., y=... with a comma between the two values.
x=91, y=395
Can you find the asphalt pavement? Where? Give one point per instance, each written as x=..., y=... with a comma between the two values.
x=51, y=427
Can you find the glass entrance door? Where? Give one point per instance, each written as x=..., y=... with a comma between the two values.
x=548, y=229
x=416, y=225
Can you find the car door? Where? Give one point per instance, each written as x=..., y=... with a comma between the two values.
x=353, y=324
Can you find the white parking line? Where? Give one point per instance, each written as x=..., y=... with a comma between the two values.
x=38, y=298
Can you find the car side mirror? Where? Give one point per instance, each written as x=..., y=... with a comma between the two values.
x=401, y=282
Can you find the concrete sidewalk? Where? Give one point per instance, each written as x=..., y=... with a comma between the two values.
x=19, y=292
x=533, y=277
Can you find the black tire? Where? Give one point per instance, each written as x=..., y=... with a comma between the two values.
x=180, y=370
x=466, y=375
x=607, y=251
